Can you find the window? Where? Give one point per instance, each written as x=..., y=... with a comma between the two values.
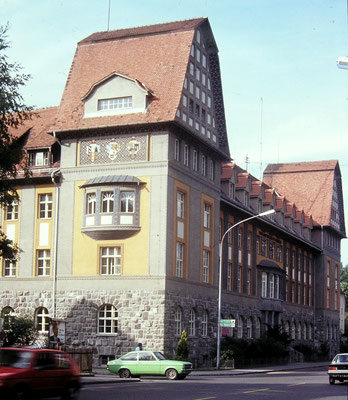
x=240, y=328
x=212, y=170
x=107, y=320
x=179, y=259
x=42, y=320
x=107, y=202
x=271, y=286
x=178, y=317
x=207, y=216
x=127, y=202
x=180, y=205
x=229, y=276
x=239, y=279
x=9, y=268
x=177, y=150
x=38, y=158
x=264, y=285
x=204, y=166
x=45, y=206
x=258, y=328
x=249, y=328
x=192, y=68
x=186, y=155
x=198, y=74
x=43, y=261
x=195, y=160
x=110, y=261
x=192, y=323
x=115, y=103
x=11, y=211
x=91, y=203
x=205, y=318
x=206, y=263
x=204, y=60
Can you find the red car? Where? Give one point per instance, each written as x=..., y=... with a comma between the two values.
x=27, y=373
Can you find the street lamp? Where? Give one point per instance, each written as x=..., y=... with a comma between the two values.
x=268, y=212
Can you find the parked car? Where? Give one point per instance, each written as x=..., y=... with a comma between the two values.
x=27, y=373
x=338, y=369
x=137, y=363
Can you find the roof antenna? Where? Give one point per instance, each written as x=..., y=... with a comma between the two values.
x=109, y=16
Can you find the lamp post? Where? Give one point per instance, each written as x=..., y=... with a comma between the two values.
x=268, y=212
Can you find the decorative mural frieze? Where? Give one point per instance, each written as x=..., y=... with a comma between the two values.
x=117, y=149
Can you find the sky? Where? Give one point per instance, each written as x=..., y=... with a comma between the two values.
x=285, y=99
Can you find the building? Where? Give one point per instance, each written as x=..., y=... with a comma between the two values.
x=132, y=186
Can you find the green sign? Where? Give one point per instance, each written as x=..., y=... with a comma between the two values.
x=228, y=323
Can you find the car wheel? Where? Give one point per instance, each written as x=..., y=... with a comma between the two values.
x=124, y=373
x=332, y=381
x=71, y=393
x=172, y=374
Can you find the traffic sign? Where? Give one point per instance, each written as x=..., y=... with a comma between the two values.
x=228, y=323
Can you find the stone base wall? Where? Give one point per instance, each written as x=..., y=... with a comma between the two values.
x=149, y=317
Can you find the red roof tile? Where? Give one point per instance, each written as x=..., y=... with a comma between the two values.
x=308, y=184
x=156, y=56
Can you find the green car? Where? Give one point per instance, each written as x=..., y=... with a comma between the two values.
x=137, y=363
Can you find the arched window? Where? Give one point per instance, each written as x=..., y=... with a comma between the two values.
x=192, y=322
x=42, y=319
x=287, y=328
x=304, y=331
x=6, y=313
x=178, y=318
x=249, y=328
x=107, y=320
x=299, y=331
x=240, y=328
x=258, y=328
x=310, y=332
x=293, y=331
x=205, y=320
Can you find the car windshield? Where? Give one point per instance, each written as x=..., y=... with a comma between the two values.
x=15, y=359
x=342, y=358
x=159, y=355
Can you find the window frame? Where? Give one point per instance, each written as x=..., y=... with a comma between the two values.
x=108, y=321
x=117, y=258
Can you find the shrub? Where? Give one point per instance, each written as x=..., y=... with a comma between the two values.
x=182, y=349
x=19, y=330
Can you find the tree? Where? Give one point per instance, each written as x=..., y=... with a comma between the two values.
x=13, y=112
x=182, y=349
x=19, y=330
x=344, y=281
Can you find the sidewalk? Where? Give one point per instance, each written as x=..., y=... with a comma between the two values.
x=101, y=375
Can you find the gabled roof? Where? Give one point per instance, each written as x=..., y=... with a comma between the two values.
x=157, y=56
x=39, y=125
x=307, y=184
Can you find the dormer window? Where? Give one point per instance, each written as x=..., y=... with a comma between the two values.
x=115, y=103
x=116, y=94
x=38, y=158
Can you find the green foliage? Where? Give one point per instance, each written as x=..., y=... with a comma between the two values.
x=310, y=353
x=274, y=345
x=182, y=349
x=13, y=112
x=19, y=330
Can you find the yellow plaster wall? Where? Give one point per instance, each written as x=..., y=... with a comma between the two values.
x=43, y=189
x=135, y=250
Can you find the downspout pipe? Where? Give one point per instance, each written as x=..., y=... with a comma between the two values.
x=55, y=180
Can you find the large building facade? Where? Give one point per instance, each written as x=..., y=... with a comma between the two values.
x=132, y=187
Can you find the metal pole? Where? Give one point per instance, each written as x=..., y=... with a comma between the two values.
x=218, y=348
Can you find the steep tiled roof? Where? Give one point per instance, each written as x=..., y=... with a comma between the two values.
x=307, y=184
x=40, y=124
x=156, y=56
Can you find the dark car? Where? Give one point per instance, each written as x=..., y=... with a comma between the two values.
x=338, y=369
x=27, y=373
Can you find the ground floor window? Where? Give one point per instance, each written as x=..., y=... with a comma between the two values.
x=42, y=319
x=107, y=319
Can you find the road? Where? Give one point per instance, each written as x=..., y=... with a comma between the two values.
x=288, y=385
